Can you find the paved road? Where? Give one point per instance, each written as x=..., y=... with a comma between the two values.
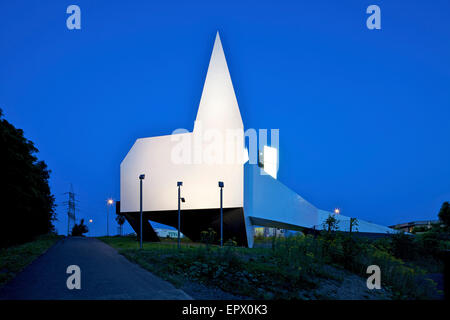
x=105, y=274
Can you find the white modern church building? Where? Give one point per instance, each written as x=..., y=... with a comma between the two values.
x=215, y=151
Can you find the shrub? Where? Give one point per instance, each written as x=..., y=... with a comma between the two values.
x=356, y=254
x=79, y=229
x=208, y=237
x=403, y=246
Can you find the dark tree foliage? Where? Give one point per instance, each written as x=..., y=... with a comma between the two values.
x=444, y=214
x=331, y=224
x=79, y=229
x=26, y=203
x=120, y=219
x=208, y=237
x=401, y=246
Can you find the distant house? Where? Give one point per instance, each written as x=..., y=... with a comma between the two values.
x=409, y=226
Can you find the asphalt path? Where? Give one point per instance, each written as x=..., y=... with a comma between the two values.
x=105, y=275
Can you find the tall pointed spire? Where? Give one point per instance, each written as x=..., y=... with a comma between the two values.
x=218, y=107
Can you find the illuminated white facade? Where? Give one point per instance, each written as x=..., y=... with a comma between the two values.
x=212, y=152
x=160, y=160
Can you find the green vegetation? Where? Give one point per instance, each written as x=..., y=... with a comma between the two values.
x=405, y=278
x=79, y=229
x=294, y=267
x=120, y=219
x=27, y=204
x=15, y=259
x=302, y=267
x=232, y=269
x=444, y=214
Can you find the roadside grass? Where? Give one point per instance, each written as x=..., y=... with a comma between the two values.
x=255, y=273
x=15, y=259
x=282, y=268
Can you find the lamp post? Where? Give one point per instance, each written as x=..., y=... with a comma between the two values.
x=179, y=184
x=90, y=222
x=221, y=212
x=141, y=177
x=109, y=203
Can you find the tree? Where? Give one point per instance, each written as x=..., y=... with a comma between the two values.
x=331, y=224
x=444, y=214
x=79, y=229
x=120, y=219
x=27, y=205
x=353, y=224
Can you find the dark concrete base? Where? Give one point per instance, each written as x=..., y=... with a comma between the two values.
x=193, y=222
x=148, y=234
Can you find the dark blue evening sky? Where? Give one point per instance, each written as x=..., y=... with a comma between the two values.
x=363, y=114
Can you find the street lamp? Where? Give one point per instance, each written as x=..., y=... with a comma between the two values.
x=337, y=211
x=179, y=185
x=221, y=212
x=109, y=203
x=90, y=221
x=141, y=177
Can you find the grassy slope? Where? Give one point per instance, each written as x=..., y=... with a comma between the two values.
x=15, y=259
x=254, y=273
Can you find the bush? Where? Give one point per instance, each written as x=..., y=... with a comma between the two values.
x=79, y=229
x=403, y=246
x=355, y=255
x=208, y=237
x=405, y=281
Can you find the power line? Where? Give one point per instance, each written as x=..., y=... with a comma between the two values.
x=71, y=217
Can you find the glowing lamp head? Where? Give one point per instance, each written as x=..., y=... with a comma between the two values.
x=337, y=211
x=90, y=220
x=110, y=202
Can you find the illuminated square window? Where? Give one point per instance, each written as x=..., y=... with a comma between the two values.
x=271, y=161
